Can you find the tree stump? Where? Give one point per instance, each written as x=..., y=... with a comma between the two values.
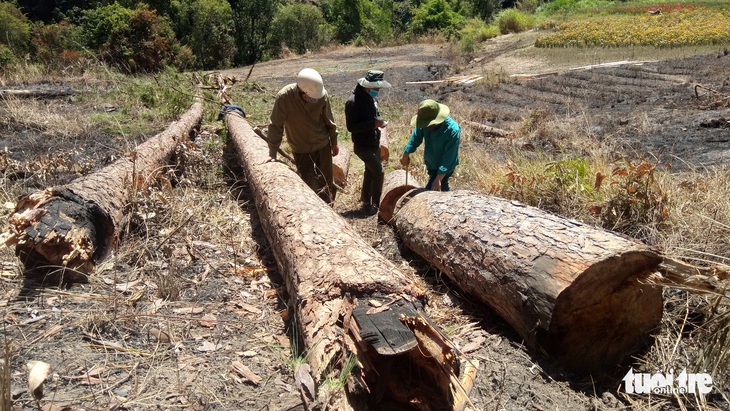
x=573, y=291
x=73, y=227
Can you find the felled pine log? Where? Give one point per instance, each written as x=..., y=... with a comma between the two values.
x=486, y=130
x=348, y=301
x=570, y=290
x=74, y=226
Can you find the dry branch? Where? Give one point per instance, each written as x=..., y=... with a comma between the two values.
x=347, y=298
x=573, y=291
x=76, y=225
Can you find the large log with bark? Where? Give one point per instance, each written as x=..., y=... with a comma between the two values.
x=348, y=300
x=74, y=226
x=571, y=290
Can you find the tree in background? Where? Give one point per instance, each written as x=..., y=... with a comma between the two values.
x=206, y=26
x=133, y=40
x=57, y=45
x=485, y=9
x=360, y=21
x=14, y=34
x=436, y=16
x=299, y=27
x=253, y=28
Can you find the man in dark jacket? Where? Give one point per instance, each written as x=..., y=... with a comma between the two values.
x=364, y=123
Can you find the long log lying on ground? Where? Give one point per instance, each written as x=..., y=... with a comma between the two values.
x=395, y=184
x=486, y=130
x=569, y=289
x=74, y=226
x=348, y=300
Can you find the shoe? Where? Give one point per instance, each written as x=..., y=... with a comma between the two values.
x=369, y=209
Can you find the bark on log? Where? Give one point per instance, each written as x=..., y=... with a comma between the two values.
x=76, y=225
x=574, y=291
x=395, y=184
x=341, y=166
x=384, y=145
x=339, y=286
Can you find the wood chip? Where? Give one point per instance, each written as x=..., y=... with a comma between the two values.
x=245, y=372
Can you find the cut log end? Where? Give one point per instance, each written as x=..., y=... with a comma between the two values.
x=395, y=185
x=55, y=229
x=606, y=314
x=406, y=361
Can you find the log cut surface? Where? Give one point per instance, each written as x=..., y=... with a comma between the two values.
x=395, y=184
x=569, y=289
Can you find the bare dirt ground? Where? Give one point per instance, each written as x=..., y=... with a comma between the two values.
x=193, y=292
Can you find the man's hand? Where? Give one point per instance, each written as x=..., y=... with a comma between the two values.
x=335, y=150
x=405, y=160
x=270, y=160
x=436, y=186
x=380, y=123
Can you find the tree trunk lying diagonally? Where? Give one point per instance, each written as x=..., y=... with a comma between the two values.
x=574, y=291
x=348, y=300
x=76, y=225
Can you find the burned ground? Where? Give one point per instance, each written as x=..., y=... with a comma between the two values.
x=193, y=289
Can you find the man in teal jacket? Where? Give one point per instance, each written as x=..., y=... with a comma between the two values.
x=441, y=137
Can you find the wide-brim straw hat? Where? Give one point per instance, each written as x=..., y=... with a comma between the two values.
x=430, y=112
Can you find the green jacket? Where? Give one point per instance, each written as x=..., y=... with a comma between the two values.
x=441, y=151
x=309, y=126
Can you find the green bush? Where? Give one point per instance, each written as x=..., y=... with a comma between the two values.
x=436, y=15
x=474, y=32
x=56, y=45
x=14, y=29
x=7, y=58
x=300, y=27
x=132, y=40
x=514, y=21
x=207, y=27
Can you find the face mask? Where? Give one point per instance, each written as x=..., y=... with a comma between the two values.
x=373, y=93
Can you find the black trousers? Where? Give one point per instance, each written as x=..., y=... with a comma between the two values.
x=372, y=180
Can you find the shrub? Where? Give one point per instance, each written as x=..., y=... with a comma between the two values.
x=207, y=27
x=436, y=15
x=514, y=21
x=56, y=45
x=14, y=29
x=299, y=27
x=474, y=32
x=7, y=58
x=132, y=40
